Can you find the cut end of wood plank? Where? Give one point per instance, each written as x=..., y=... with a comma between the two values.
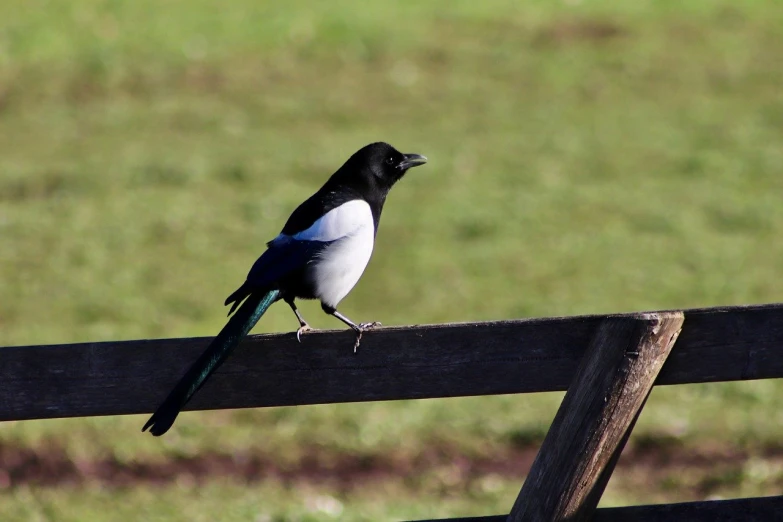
x=663, y=329
x=659, y=319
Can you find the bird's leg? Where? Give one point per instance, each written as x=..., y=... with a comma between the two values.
x=358, y=328
x=303, y=326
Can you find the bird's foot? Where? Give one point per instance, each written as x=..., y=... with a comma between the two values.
x=303, y=329
x=360, y=330
x=369, y=326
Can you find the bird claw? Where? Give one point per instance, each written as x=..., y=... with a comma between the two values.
x=369, y=326
x=302, y=329
x=360, y=331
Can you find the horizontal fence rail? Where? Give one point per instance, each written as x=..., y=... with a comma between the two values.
x=416, y=362
x=767, y=509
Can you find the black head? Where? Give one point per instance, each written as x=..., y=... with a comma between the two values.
x=378, y=166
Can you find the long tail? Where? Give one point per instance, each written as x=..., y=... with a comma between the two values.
x=219, y=349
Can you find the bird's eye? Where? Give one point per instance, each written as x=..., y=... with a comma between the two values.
x=389, y=160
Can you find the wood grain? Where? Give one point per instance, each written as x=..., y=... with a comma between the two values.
x=113, y=378
x=610, y=386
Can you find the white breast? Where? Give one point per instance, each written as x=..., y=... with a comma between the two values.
x=340, y=222
x=338, y=268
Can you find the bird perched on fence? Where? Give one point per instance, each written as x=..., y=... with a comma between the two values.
x=320, y=254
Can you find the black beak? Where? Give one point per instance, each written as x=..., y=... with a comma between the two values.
x=412, y=160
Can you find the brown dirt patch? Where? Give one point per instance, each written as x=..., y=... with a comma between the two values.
x=566, y=32
x=648, y=464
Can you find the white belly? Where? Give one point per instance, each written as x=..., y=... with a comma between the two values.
x=339, y=267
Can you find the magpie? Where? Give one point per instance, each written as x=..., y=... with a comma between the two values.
x=321, y=253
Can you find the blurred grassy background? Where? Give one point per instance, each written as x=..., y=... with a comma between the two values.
x=585, y=157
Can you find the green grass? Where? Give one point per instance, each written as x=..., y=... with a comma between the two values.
x=585, y=157
x=233, y=503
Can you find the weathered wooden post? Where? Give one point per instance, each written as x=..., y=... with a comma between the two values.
x=596, y=417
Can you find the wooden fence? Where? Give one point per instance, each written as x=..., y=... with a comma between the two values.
x=608, y=364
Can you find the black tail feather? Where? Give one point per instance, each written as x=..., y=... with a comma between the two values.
x=164, y=417
x=236, y=298
x=218, y=350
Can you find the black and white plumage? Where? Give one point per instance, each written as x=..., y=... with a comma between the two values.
x=320, y=254
x=327, y=242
